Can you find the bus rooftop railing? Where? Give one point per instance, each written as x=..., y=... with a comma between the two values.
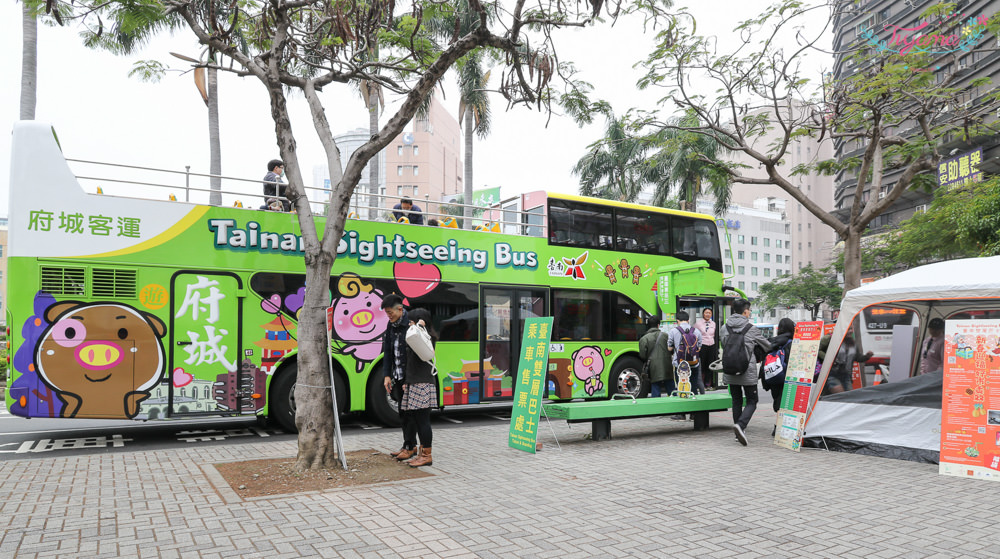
x=133, y=181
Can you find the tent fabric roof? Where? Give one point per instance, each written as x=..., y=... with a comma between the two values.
x=952, y=279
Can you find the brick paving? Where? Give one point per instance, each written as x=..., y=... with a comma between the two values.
x=656, y=489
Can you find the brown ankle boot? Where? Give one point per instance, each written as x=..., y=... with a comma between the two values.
x=406, y=454
x=424, y=459
x=398, y=452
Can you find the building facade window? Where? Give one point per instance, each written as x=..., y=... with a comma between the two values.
x=740, y=255
x=416, y=150
x=753, y=256
x=767, y=257
x=399, y=170
x=399, y=150
x=767, y=242
x=741, y=270
x=729, y=253
x=729, y=269
x=743, y=285
x=753, y=241
x=740, y=239
x=416, y=170
x=767, y=272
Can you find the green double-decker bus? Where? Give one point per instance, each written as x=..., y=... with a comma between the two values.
x=121, y=307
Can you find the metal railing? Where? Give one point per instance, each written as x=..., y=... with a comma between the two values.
x=134, y=181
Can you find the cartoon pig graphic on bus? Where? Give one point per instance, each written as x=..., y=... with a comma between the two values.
x=358, y=320
x=588, y=363
x=102, y=359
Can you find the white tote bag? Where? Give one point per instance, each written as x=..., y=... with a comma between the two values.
x=420, y=342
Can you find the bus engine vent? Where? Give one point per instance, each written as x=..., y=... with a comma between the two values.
x=113, y=284
x=63, y=281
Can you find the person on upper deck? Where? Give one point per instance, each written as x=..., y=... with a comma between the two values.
x=405, y=208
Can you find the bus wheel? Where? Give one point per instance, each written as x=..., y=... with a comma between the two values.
x=381, y=407
x=626, y=378
x=282, y=406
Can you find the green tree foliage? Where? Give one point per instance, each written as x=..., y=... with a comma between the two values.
x=615, y=167
x=960, y=223
x=687, y=163
x=809, y=288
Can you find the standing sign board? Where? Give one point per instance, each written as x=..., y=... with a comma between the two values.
x=530, y=383
x=970, y=400
x=798, y=384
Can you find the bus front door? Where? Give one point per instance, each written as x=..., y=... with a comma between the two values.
x=504, y=311
x=206, y=374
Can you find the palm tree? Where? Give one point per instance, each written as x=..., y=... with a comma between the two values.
x=29, y=61
x=685, y=160
x=615, y=166
x=473, y=102
x=474, y=109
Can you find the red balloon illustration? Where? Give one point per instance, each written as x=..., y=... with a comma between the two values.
x=415, y=279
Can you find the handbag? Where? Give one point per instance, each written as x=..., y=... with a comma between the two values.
x=396, y=392
x=420, y=342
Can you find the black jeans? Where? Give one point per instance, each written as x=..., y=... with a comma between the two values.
x=417, y=423
x=741, y=414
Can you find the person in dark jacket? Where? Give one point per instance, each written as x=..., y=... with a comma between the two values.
x=783, y=340
x=401, y=365
x=653, y=349
x=274, y=187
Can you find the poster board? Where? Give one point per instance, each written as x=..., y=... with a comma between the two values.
x=798, y=385
x=530, y=383
x=970, y=400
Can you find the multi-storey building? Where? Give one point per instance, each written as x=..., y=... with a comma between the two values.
x=812, y=240
x=423, y=163
x=892, y=21
x=756, y=249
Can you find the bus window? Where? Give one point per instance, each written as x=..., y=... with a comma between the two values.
x=628, y=320
x=454, y=309
x=580, y=225
x=637, y=231
x=577, y=314
x=696, y=239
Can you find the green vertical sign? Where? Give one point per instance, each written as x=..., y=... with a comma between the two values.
x=532, y=366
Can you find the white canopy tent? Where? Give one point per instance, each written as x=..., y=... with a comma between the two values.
x=900, y=419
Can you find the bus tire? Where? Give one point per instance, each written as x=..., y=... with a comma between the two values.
x=626, y=378
x=381, y=408
x=282, y=407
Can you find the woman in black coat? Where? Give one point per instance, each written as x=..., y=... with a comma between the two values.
x=783, y=339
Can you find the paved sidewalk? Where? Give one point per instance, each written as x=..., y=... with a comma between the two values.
x=657, y=489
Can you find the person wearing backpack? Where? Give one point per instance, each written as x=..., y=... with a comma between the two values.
x=656, y=358
x=685, y=343
x=739, y=366
x=775, y=364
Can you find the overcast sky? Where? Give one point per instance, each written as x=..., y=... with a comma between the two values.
x=103, y=115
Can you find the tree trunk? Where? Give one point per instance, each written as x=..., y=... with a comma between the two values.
x=374, y=202
x=214, y=146
x=313, y=414
x=852, y=259
x=467, y=197
x=29, y=62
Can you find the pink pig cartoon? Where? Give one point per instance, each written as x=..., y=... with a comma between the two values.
x=588, y=363
x=358, y=321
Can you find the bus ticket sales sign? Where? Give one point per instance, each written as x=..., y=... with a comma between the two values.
x=530, y=383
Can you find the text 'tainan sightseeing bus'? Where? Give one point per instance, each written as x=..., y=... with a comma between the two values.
x=148, y=309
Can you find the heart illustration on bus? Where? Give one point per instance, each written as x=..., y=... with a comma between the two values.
x=416, y=279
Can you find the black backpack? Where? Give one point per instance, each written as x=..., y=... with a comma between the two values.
x=735, y=357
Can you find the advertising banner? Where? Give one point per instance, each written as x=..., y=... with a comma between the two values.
x=970, y=404
x=530, y=383
x=798, y=384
